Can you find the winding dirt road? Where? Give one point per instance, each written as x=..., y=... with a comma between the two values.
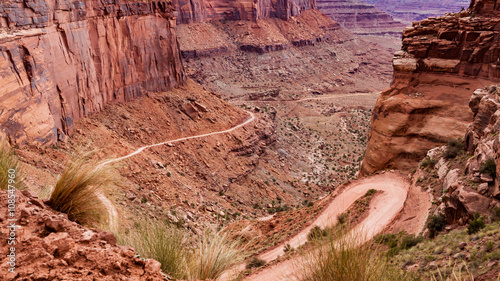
x=113, y=220
x=383, y=210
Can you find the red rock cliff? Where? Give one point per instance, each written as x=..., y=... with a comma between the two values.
x=61, y=60
x=206, y=10
x=442, y=61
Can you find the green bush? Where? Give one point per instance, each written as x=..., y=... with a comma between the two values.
x=317, y=233
x=428, y=162
x=255, y=262
x=476, y=224
x=453, y=148
x=409, y=241
x=489, y=167
x=435, y=223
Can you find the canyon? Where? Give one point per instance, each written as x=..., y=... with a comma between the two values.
x=63, y=60
x=361, y=18
x=417, y=10
x=257, y=119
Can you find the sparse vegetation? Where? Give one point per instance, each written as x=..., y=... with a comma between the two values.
x=77, y=191
x=162, y=242
x=344, y=257
x=435, y=223
x=9, y=161
x=214, y=254
x=453, y=148
x=489, y=167
x=317, y=233
x=255, y=262
x=428, y=162
x=476, y=224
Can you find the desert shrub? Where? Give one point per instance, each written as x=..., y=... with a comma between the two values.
x=162, y=242
x=255, y=262
x=389, y=239
x=214, y=254
x=489, y=167
x=78, y=190
x=435, y=223
x=476, y=224
x=9, y=161
x=453, y=148
x=342, y=218
x=495, y=214
x=370, y=192
x=428, y=162
x=317, y=233
x=408, y=241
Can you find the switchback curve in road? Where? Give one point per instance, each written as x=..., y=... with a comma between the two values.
x=383, y=210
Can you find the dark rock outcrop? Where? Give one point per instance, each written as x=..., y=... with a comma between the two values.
x=442, y=61
x=62, y=60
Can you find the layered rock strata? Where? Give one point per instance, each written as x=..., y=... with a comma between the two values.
x=442, y=61
x=61, y=60
x=416, y=10
x=208, y=10
x=361, y=18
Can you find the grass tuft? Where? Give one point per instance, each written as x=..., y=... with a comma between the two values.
x=78, y=190
x=345, y=257
x=159, y=241
x=9, y=161
x=214, y=254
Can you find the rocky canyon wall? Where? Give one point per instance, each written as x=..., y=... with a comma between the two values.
x=441, y=62
x=361, y=18
x=61, y=60
x=207, y=10
x=416, y=10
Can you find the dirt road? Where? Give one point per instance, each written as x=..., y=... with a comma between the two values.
x=113, y=220
x=383, y=210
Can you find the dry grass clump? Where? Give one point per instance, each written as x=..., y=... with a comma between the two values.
x=9, y=161
x=212, y=255
x=346, y=257
x=78, y=190
x=162, y=242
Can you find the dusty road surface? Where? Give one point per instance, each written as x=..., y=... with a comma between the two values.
x=383, y=210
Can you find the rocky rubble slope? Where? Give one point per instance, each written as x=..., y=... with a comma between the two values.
x=208, y=10
x=50, y=247
x=62, y=60
x=441, y=62
x=360, y=18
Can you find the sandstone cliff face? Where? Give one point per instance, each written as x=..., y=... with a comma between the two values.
x=359, y=17
x=442, y=61
x=207, y=10
x=61, y=60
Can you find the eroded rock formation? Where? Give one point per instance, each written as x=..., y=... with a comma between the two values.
x=359, y=17
x=61, y=60
x=207, y=10
x=412, y=10
x=442, y=61
x=48, y=246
